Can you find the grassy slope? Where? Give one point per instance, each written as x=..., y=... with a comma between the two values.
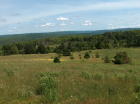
x=110, y=84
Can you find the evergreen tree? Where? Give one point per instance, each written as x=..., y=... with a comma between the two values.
x=41, y=49
x=87, y=55
x=30, y=48
x=56, y=60
x=66, y=52
x=10, y=49
x=14, y=49
x=121, y=58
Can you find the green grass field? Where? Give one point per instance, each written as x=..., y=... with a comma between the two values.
x=78, y=81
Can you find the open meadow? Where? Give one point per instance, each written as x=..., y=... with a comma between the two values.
x=73, y=81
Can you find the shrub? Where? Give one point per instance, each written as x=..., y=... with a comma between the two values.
x=71, y=57
x=87, y=55
x=48, y=87
x=121, y=58
x=106, y=59
x=56, y=60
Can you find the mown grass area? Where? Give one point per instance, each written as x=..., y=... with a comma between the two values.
x=77, y=81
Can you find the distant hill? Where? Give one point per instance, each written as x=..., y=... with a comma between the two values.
x=6, y=39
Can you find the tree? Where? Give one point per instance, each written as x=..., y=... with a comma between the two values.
x=41, y=49
x=87, y=55
x=66, y=53
x=56, y=60
x=10, y=49
x=14, y=49
x=30, y=48
x=121, y=58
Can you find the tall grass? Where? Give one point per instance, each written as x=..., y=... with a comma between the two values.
x=73, y=81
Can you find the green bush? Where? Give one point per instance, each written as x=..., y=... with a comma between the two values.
x=66, y=53
x=87, y=55
x=121, y=58
x=48, y=87
x=56, y=60
x=71, y=57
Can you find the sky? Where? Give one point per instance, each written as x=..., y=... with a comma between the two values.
x=33, y=16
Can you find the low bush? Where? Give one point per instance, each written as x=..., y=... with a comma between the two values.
x=87, y=55
x=56, y=60
x=48, y=87
x=121, y=58
x=71, y=57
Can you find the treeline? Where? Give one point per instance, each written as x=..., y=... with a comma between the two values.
x=66, y=44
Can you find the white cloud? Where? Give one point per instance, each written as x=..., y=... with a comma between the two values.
x=87, y=23
x=62, y=19
x=31, y=14
x=113, y=26
x=48, y=25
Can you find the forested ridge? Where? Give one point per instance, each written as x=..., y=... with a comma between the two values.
x=7, y=39
x=66, y=44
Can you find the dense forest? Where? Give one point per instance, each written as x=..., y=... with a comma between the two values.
x=66, y=44
x=7, y=39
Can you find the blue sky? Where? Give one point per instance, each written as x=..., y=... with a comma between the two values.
x=25, y=16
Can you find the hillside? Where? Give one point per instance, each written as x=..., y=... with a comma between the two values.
x=72, y=43
x=6, y=39
x=79, y=81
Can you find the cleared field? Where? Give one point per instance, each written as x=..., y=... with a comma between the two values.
x=80, y=81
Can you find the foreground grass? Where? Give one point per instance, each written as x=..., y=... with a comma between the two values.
x=79, y=81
